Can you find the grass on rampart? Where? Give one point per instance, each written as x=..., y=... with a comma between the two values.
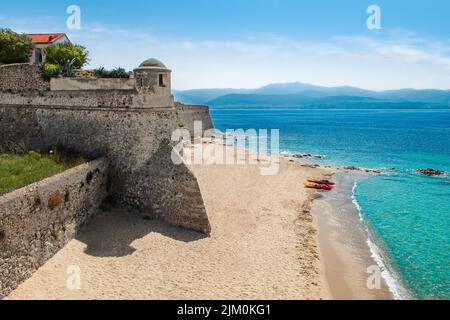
x=17, y=171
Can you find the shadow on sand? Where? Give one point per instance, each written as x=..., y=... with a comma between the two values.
x=111, y=233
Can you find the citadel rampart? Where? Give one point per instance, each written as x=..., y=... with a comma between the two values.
x=137, y=144
x=130, y=127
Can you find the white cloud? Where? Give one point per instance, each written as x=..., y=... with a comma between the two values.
x=407, y=50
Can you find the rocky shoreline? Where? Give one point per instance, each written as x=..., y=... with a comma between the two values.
x=429, y=172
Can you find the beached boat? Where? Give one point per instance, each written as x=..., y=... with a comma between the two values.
x=318, y=186
x=325, y=182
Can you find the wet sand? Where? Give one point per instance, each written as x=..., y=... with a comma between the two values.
x=343, y=244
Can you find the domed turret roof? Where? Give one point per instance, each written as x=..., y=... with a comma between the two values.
x=152, y=63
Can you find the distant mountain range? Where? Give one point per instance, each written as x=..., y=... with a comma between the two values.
x=304, y=95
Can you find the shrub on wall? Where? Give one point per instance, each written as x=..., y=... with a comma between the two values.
x=14, y=47
x=114, y=73
x=67, y=54
x=50, y=70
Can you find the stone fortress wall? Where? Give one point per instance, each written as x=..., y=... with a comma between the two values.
x=22, y=77
x=137, y=144
x=130, y=126
x=38, y=220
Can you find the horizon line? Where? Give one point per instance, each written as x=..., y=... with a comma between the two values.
x=310, y=84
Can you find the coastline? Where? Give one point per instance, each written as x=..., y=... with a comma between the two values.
x=349, y=251
x=343, y=244
x=346, y=250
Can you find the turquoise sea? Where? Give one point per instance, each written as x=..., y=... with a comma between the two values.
x=407, y=214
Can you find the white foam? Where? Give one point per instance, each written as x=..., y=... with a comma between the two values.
x=393, y=283
x=285, y=153
x=358, y=207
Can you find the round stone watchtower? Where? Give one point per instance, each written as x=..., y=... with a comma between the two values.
x=153, y=83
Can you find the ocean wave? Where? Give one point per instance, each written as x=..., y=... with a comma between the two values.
x=355, y=202
x=392, y=281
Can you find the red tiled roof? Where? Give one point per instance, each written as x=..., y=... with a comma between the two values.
x=45, y=38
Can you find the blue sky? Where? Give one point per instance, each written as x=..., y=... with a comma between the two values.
x=250, y=43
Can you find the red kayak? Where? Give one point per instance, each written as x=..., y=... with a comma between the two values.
x=318, y=186
x=325, y=182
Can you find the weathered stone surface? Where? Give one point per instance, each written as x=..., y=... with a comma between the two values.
x=38, y=220
x=187, y=115
x=22, y=77
x=63, y=99
x=75, y=84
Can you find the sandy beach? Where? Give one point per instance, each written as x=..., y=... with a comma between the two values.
x=263, y=245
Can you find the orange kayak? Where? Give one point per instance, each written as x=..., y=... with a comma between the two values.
x=325, y=182
x=318, y=186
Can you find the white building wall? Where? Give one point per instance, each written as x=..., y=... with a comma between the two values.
x=42, y=48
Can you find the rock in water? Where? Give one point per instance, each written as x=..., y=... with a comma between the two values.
x=430, y=172
x=353, y=168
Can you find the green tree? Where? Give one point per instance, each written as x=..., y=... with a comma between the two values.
x=67, y=54
x=14, y=47
x=114, y=73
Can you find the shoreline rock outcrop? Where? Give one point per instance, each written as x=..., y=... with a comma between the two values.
x=429, y=172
